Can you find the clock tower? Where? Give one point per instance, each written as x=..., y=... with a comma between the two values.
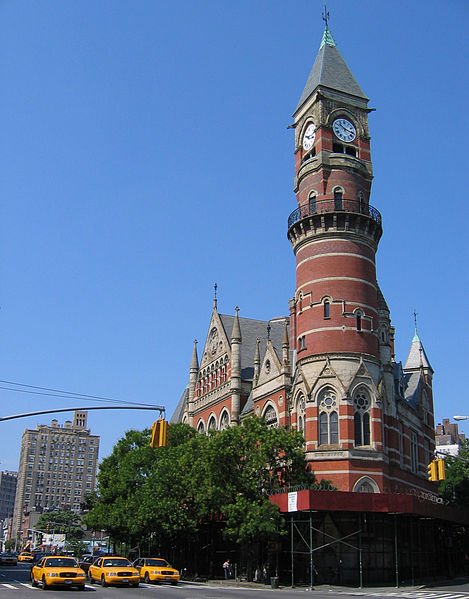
x=334, y=231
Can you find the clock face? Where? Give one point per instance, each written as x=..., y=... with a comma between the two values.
x=308, y=137
x=344, y=129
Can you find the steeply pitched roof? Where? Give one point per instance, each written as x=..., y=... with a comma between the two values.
x=331, y=71
x=179, y=410
x=417, y=357
x=251, y=330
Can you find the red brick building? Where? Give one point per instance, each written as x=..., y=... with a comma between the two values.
x=328, y=368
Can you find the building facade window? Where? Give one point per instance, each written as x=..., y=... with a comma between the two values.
x=300, y=412
x=327, y=308
x=361, y=417
x=414, y=456
x=270, y=417
x=328, y=418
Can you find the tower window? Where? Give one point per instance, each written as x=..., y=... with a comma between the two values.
x=327, y=308
x=358, y=317
x=328, y=418
x=338, y=197
x=338, y=148
x=312, y=203
x=302, y=342
x=361, y=418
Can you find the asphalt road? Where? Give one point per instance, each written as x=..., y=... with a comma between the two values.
x=15, y=584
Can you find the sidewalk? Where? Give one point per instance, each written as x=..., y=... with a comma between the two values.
x=379, y=589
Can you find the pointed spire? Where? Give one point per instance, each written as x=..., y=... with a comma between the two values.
x=327, y=35
x=236, y=331
x=417, y=358
x=257, y=361
x=215, y=287
x=195, y=359
x=330, y=71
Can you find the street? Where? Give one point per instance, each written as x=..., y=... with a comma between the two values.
x=14, y=583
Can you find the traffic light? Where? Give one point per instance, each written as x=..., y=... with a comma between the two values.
x=441, y=469
x=432, y=471
x=159, y=433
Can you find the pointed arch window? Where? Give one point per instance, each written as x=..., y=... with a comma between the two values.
x=270, y=417
x=328, y=418
x=361, y=417
x=212, y=424
x=224, y=420
x=300, y=412
x=200, y=427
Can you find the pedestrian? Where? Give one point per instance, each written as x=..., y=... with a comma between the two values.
x=226, y=568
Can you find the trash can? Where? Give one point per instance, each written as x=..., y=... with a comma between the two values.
x=274, y=582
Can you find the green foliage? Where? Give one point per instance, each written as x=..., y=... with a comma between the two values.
x=170, y=492
x=455, y=488
x=61, y=522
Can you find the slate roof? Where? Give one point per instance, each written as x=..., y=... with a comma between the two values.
x=179, y=410
x=330, y=71
x=417, y=357
x=251, y=330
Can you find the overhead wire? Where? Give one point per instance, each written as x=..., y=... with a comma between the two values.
x=51, y=392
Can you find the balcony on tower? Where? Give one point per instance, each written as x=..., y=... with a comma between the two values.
x=336, y=214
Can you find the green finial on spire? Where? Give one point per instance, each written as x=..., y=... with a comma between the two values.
x=416, y=335
x=327, y=35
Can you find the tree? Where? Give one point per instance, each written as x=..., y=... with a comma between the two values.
x=455, y=487
x=61, y=522
x=169, y=493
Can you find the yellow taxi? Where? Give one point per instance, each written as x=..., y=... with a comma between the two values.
x=110, y=569
x=156, y=569
x=25, y=556
x=57, y=570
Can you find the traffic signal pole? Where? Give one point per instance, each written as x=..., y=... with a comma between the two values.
x=160, y=409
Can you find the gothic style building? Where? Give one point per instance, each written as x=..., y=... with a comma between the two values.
x=328, y=368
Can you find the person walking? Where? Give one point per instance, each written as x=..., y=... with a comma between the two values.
x=226, y=568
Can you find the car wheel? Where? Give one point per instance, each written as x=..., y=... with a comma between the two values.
x=33, y=581
x=45, y=586
x=146, y=578
x=103, y=581
x=81, y=587
x=90, y=578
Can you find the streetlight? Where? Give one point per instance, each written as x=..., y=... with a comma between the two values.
x=461, y=417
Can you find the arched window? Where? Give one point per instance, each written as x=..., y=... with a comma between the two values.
x=224, y=420
x=327, y=308
x=212, y=424
x=328, y=418
x=300, y=412
x=201, y=427
x=270, y=417
x=361, y=417
x=358, y=319
x=338, y=197
x=366, y=485
x=312, y=202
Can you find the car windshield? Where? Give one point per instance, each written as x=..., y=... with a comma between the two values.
x=116, y=562
x=60, y=562
x=157, y=562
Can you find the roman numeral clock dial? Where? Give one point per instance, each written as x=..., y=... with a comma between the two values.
x=308, y=137
x=344, y=130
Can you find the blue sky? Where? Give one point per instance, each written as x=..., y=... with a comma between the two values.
x=145, y=156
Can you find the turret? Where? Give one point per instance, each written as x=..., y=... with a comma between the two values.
x=235, y=383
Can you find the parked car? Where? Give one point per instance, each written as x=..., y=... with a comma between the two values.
x=156, y=569
x=8, y=559
x=113, y=570
x=25, y=556
x=57, y=570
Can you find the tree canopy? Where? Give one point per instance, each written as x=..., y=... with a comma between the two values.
x=455, y=487
x=172, y=491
